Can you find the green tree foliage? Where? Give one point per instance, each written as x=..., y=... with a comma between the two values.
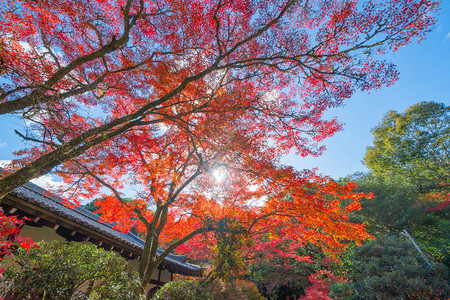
x=409, y=164
x=91, y=206
x=390, y=268
x=396, y=207
x=413, y=147
x=228, y=261
x=393, y=207
x=61, y=271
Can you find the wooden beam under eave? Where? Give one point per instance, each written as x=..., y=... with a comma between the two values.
x=157, y=282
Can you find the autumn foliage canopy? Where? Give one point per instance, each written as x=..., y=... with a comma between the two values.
x=190, y=104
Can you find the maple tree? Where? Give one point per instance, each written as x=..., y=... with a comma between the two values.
x=85, y=72
x=161, y=95
x=178, y=198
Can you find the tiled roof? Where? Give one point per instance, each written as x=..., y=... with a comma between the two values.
x=36, y=195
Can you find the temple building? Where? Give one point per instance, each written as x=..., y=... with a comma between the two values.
x=50, y=220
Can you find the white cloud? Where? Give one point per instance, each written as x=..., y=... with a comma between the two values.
x=3, y=144
x=447, y=38
x=46, y=181
x=3, y=163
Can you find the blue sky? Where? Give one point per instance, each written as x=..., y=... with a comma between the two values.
x=424, y=76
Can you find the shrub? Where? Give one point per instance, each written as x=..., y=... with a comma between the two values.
x=182, y=290
x=60, y=270
x=236, y=290
x=390, y=268
x=216, y=290
x=343, y=291
x=250, y=290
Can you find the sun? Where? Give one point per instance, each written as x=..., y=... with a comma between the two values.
x=219, y=174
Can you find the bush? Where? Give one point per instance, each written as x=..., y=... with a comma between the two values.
x=216, y=290
x=390, y=268
x=343, y=291
x=250, y=290
x=182, y=290
x=59, y=270
x=236, y=290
